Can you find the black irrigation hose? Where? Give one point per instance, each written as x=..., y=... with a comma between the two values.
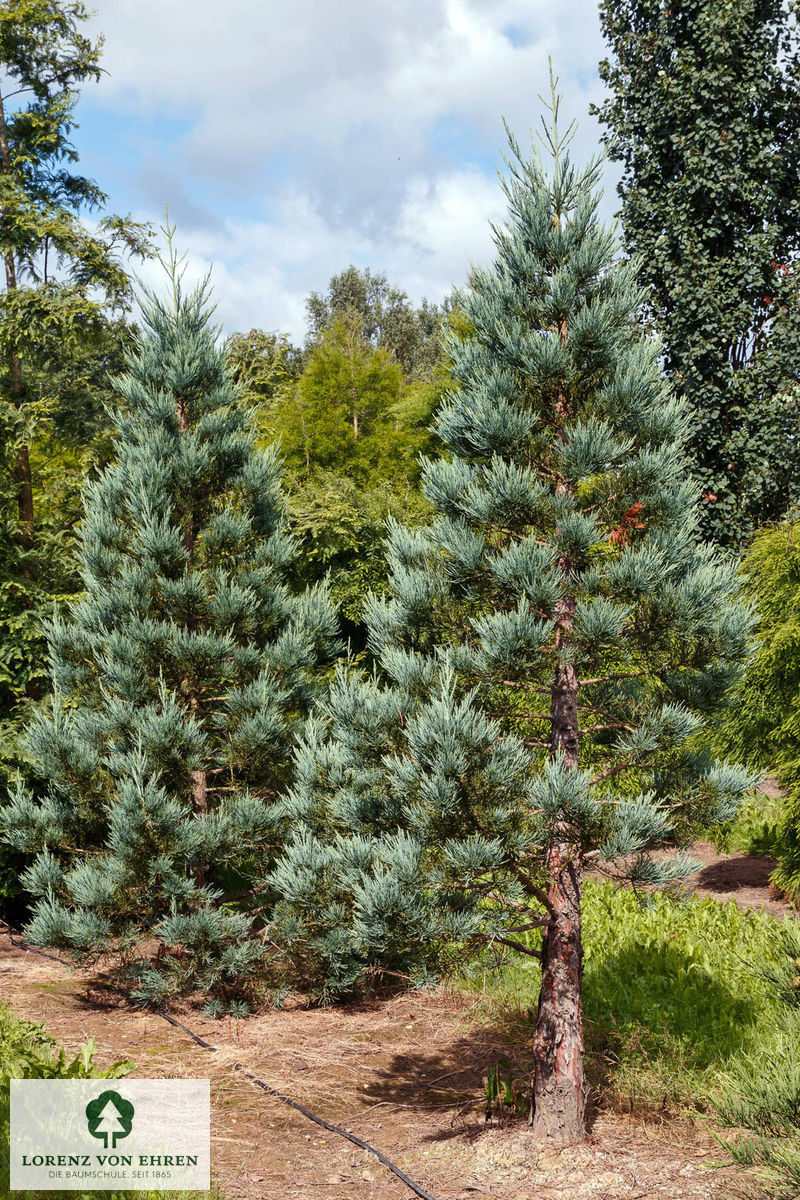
x=351, y=1137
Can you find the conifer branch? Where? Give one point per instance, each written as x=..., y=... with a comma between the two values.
x=604, y=728
x=535, y=890
x=541, y=923
x=627, y=765
x=514, y=945
x=625, y=675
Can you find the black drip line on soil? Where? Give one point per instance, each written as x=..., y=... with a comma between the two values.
x=271, y=1091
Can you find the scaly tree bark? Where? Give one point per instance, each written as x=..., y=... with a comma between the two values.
x=558, y=1099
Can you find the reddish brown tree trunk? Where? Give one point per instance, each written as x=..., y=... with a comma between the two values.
x=199, y=778
x=200, y=790
x=558, y=1101
x=558, y=1113
x=564, y=691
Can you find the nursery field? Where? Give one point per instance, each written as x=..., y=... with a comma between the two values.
x=407, y=1073
x=400, y=696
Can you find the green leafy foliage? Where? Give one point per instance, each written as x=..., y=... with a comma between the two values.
x=675, y=993
x=350, y=414
x=704, y=115
x=365, y=301
x=504, y=1094
x=350, y=428
x=27, y=1051
x=761, y=1087
x=61, y=328
x=670, y=991
x=265, y=365
x=63, y=281
x=68, y=434
x=756, y=829
x=340, y=527
x=341, y=406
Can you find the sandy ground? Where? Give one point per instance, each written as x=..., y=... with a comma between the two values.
x=404, y=1074
x=741, y=877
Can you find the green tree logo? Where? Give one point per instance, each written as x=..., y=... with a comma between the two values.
x=109, y=1116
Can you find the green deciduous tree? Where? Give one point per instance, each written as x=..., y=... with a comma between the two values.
x=704, y=115
x=350, y=414
x=68, y=434
x=366, y=302
x=178, y=677
x=59, y=275
x=266, y=364
x=550, y=644
x=66, y=291
x=341, y=410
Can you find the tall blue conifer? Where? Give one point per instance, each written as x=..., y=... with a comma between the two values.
x=551, y=642
x=178, y=677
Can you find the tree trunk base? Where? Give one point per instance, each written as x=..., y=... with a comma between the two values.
x=558, y=1109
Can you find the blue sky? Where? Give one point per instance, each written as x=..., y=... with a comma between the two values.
x=292, y=137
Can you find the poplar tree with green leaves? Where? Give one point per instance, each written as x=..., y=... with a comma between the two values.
x=550, y=645
x=704, y=116
x=178, y=679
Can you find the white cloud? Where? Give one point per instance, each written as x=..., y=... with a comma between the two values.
x=262, y=270
x=361, y=131
x=444, y=227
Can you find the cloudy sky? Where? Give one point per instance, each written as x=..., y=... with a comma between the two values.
x=292, y=137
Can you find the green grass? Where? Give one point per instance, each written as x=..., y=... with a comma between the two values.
x=671, y=994
x=756, y=829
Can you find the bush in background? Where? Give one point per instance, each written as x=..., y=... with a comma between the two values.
x=763, y=725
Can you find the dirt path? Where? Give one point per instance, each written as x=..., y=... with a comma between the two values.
x=740, y=877
x=396, y=1072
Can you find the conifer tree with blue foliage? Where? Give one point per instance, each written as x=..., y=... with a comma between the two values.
x=179, y=678
x=551, y=644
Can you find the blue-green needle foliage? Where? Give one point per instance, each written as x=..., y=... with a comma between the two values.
x=564, y=547
x=179, y=678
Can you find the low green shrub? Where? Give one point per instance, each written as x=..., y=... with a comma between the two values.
x=762, y=726
x=671, y=997
x=760, y=1091
x=674, y=991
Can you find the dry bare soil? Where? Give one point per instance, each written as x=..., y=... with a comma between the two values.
x=405, y=1074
